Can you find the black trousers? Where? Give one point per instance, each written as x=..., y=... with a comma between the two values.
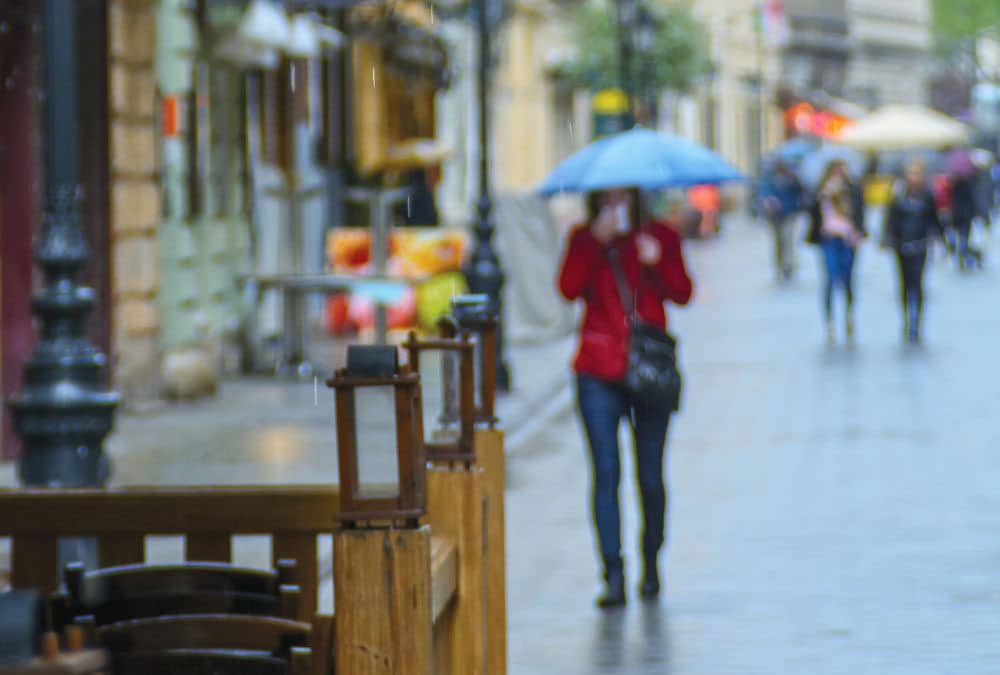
x=911, y=283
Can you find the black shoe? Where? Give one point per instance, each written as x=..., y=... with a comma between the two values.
x=650, y=587
x=614, y=591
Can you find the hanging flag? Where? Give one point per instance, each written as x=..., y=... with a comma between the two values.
x=774, y=23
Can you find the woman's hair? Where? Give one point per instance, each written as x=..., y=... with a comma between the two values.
x=915, y=163
x=842, y=198
x=638, y=213
x=831, y=167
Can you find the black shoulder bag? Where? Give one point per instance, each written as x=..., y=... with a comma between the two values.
x=652, y=375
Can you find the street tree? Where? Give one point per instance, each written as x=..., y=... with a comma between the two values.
x=676, y=58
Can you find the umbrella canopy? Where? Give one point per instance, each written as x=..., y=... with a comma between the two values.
x=934, y=161
x=901, y=127
x=639, y=158
x=959, y=163
x=814, y=165
x=796, y=149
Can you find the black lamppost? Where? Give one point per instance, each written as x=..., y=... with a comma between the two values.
x=625, y=18
x=483, y=271
x=645, y=41
x=64, y=409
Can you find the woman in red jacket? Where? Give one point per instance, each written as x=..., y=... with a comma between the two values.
x=653, y=265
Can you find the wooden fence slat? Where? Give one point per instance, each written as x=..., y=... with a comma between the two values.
x=121, y=549
x=456, y=508
x=321, y=642
x=169, y=510
x=35, y=563
x=214, y=547
x=382, y=598
x=303, y=550
x=489, y=451
x=444, y=575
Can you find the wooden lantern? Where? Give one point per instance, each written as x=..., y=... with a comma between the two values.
x=379, y=437
x=472, y=319
x=447, y=379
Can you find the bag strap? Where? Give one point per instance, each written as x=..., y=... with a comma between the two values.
x=624, y=292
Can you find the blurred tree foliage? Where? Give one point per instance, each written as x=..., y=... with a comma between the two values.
x=679, y=55
x=962, y=19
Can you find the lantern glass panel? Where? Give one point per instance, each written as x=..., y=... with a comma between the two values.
x=477, y=359
x=440, y=384
x=378, y=463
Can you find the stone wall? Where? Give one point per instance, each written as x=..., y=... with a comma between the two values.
x=135, y=199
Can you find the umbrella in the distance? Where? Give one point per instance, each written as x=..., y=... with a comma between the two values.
x=959, y=163
x=639, y=158
x=902, y=127
x=814, y=165
x=793, y=151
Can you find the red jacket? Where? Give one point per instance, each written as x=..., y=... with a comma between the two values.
x=586, y=273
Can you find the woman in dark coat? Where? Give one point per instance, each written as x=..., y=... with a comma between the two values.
x=910, y=228
x=837, y=226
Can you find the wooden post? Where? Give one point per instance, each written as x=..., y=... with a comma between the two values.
x=382, y=594
x=489, y=451
x=456, y=509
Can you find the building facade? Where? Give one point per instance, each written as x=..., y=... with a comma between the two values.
x=891, y=47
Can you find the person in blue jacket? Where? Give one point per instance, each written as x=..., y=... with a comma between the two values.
x=781, y=199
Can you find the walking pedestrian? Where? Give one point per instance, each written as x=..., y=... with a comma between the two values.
x=963, y=211
x=781, y=201
x=837, y=226
x=912, y=225
x=620, y=252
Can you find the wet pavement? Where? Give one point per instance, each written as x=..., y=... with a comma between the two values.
x=833, y=510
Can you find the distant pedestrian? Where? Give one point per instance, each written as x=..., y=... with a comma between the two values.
x=781, y=201
x=912, y=225
x=964, y=209
x=619, y=243
x=837, y=226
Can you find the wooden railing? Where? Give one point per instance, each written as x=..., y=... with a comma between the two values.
x=460, y=569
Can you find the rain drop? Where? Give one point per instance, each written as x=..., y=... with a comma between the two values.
x=373, y=78
x=4, y=27
x=408, y=206
x=315, y=391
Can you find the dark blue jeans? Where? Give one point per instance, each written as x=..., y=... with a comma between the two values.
x=838, y=260
x=603, y=405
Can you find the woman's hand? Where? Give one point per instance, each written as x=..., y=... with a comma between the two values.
x=649, y=249
x=605, y=226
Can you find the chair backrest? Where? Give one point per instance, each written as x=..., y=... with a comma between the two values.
x=213, y=632
x=212, y=662
x=117, y=594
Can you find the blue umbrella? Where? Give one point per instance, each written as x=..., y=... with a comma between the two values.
x=794, y=150
x=814, y=165
x=639, y=158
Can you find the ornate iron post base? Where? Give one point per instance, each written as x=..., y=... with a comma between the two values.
x=484, y=275
x=64, y=410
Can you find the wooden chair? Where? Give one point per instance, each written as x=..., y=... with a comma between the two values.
x=216, y=644
x=115, y=594
x=213, y=662
x=206, y=631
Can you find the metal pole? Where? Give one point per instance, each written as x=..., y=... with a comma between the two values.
x=64, y=409
x=624, y=12
x=483, y=272
x=760, y=87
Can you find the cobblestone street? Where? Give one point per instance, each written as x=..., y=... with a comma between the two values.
x=833, y=510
